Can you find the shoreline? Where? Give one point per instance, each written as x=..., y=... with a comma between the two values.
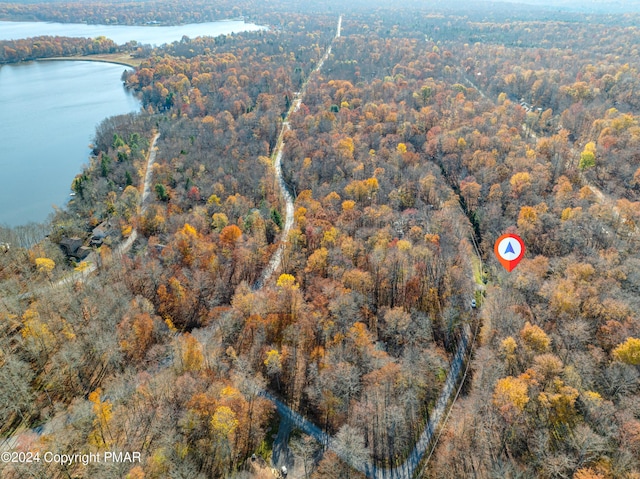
x=88, y=58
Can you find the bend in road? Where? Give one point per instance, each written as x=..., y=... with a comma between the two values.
x=406, y=470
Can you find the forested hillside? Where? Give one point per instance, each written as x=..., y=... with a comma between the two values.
x=423, y=138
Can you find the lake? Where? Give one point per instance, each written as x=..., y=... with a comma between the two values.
x=48, y=115
x=49, y=112
x=154, y=35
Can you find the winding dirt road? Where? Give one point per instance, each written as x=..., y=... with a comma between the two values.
x=439, y=413
x=276, y=259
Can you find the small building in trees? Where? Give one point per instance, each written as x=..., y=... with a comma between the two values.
x=73, y=248
x=527, y=107
x=100, y=233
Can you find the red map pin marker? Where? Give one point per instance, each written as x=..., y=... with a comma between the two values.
x=509, y=249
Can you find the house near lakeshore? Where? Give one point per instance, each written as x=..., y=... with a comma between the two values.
x=73, y=248
x=100, y=233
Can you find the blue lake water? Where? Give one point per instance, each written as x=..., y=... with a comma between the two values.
x=49, y=112
x=154, y=35
x=48, y=115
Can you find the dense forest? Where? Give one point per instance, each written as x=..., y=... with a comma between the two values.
x=423, y=137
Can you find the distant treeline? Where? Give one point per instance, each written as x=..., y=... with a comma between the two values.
x=12, y=51
x=126, y=12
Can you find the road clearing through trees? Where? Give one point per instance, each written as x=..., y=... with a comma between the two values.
x=276, y=156
x=439, y=414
